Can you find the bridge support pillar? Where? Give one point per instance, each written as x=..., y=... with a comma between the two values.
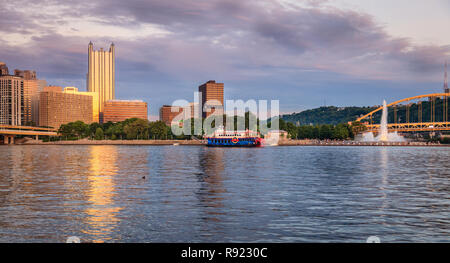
x=8, y=139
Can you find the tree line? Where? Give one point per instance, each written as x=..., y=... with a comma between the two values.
x=341, y=131
x=141, y=129
x=129, y=129
x=335, y=115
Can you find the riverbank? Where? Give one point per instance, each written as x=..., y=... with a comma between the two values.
x=116, y=142
x=199, y=143
x=356, y=143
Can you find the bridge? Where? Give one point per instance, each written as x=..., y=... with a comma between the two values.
x=418, y=115
x=9, y=132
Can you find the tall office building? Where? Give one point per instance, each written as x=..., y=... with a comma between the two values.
x=31, y=88
x=167, y=113
x=211, y=98
x=25, y=74
x=95, y=111
x=58, y=107
x=11, y=100
x=3, y=69
x=193, y=111
x=101, y=75
x=120, y=110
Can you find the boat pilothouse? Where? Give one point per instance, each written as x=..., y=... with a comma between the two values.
x=245, y=138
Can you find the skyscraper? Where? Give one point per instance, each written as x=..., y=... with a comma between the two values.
x=31, y=88
x=59, y=107
x=101, y=75
x=3, y=69
x=11, y=100
x=73, y=90
x=211, y=98
x=167, y=113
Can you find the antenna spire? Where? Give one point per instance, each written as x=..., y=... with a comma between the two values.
x=446, y=79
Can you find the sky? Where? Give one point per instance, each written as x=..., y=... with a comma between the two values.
x=305, y=54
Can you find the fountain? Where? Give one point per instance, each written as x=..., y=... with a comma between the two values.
x=383, y=125
x=384, y=135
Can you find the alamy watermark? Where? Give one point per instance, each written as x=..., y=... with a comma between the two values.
x=203, y=117
x=373, y=239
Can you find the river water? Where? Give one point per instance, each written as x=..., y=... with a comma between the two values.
x=200, y=194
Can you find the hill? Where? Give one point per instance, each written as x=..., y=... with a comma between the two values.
x=335, y=115
x=327, y=115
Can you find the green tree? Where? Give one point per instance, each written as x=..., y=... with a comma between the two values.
x=93, y=128
x=356, y=128
x=137, y=129
x=158, y=130
x=305, y=132
x=115, y=131
x=340, y=132
x=99, y=134
x=316, y=132
x=326, y=132
x=74, y=130
x=292, y=130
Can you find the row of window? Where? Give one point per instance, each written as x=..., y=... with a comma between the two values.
x=229, y=141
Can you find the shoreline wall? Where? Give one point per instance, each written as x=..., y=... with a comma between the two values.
x=199, y=143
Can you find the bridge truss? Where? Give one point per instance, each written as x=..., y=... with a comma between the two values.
x=419, y=123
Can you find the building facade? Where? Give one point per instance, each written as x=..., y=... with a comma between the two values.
x=167, y=113
x=120, y=110
x=31, y=88
x=95, y=109
x=11, y=100
x=3, y=69
x=194, y=111
x=101, y=75
x=57, y=107
x=211, y=98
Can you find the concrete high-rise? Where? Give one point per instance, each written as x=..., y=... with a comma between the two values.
x=211, y=98
x=3, y=69
x=58, y=107
x=11, y=100
x=73, y=90
x=120, y=110
x=31, y=88
x=167, y=113
x=101, y=75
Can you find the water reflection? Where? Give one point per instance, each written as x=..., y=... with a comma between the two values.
x=197, y=194
x=102, y=211
x=211, y=178
x=384, y=181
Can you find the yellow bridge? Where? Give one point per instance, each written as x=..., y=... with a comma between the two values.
x=9, y=132
x=413, y=124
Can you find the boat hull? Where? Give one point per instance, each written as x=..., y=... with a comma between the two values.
x=234, y=142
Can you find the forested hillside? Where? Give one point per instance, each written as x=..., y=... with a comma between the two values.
x=327, y=115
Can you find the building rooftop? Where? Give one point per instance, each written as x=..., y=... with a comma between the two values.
x=125, y=101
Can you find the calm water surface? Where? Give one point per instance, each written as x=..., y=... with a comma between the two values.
x=199, y=194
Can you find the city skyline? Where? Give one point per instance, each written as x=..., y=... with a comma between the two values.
x=316, y=52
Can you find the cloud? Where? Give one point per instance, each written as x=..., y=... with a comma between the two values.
x=170, y=47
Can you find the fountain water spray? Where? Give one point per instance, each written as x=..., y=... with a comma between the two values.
x=384, y=135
